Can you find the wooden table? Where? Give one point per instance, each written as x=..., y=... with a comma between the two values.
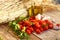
x=8, y=35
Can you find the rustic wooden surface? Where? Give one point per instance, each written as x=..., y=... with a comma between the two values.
x=8, y=35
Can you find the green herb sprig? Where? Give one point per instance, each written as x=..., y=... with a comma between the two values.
x=15, y=26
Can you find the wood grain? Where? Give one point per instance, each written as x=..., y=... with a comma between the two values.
x=9, y=35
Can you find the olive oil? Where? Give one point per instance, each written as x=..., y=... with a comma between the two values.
x=34, y=10
x=30, y=11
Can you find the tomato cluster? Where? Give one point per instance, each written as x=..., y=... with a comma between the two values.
x=34, y=25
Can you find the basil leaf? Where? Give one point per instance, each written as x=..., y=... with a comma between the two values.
x=17, y=27
x=26, y=36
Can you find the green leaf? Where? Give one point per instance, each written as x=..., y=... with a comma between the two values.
x=21, y=36
x=14, y=23
x=10, y=23
x=26, y=36
x=17, y=27
x=21, y=18
x=26, y=18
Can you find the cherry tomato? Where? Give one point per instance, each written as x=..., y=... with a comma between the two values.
x=21, y=22
x=49, y=23
x=27, y=23
x=40, y=21
x=31, y=28
x=58, y=25
x=44, y=23
x=31, y=18
x=28, y=31
x=38, y=31
x=37, y=25
x=50, y=26
x=45, y=28
x=41, y=29
x=21, y=27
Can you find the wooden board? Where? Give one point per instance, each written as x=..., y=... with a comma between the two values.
x=8, y=35
x=55, y=15
x=51, y=34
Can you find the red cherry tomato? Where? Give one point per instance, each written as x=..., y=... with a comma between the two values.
x=21, y=27
x=37, y=24
x=49, y=23
x=38, y=31
x=44, y=23
x=50, y=26
x=41, y=29
x=58, y=25
x=28, y=31
x=21, y=22
x=31, y=18
x=31, y=28
x=27, y=23
x=40, y=21
x=45, y=28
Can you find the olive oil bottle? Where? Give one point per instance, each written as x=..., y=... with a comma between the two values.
x=30, y=11
x=34, y=10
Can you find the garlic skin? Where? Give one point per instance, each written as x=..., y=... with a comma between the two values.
x=38, y=17
x=46, y=18
x=42, y=17
x=56, y=27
